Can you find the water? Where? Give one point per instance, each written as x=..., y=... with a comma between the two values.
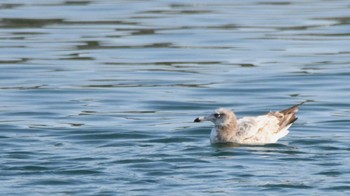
x=98, y=97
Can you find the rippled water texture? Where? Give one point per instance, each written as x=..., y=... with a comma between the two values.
x=98, y=96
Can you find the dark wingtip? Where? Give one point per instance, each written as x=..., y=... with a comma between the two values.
x=196, y=120
x=289, y=115
x=293, y=109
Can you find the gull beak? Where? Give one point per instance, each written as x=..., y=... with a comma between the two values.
x=200, y=119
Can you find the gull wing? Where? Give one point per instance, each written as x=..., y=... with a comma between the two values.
x=267, y=128
x=257, y=128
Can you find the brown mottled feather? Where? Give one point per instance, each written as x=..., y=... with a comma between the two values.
x=287, y=116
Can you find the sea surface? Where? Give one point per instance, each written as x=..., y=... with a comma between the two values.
x=98, y=97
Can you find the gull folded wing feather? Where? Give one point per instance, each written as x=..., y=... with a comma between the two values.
x=257, y=129
x=247, y=127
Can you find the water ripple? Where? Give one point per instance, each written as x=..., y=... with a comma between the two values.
x=98, y=97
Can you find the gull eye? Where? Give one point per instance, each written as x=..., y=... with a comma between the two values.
x=217, y=115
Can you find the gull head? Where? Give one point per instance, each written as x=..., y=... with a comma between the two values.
x=220, y=117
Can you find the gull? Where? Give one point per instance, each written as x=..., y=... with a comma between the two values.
x=257, y=130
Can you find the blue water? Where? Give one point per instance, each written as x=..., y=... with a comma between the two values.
x=98, y=96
